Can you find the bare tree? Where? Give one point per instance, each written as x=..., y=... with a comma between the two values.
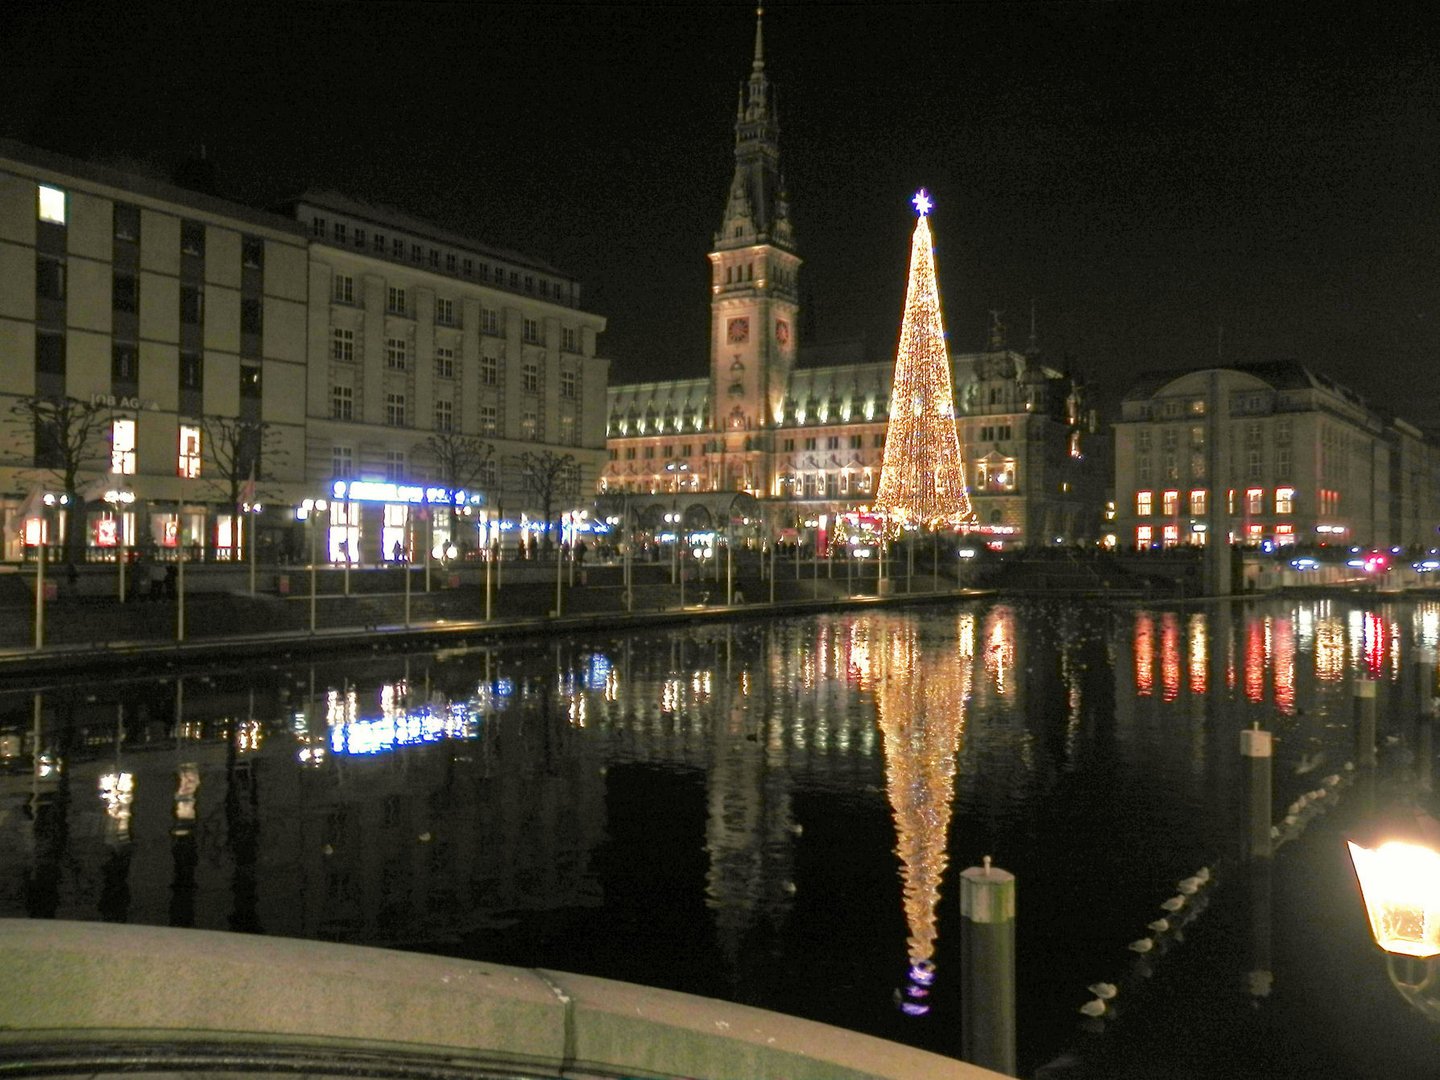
x=242, y=450
x=69, y=438
x=457, y=461
x=549, y=477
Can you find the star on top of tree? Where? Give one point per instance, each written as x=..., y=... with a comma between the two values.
x=922, y=202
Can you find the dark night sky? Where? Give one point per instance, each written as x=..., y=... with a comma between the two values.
x=1146, y=172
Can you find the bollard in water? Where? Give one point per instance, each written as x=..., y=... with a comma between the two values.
x=1365, y=723
x=987, y=961
x=1257, y=749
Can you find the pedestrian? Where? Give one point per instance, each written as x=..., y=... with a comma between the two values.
x=398, y=552
x=72, y=577
x=172, y=579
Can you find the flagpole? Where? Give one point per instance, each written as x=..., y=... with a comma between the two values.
x=40, y=588
x=251, y=515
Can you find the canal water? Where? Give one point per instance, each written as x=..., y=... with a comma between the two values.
x=776, y=813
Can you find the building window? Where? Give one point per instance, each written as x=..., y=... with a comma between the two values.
x=445, y=311
x=810, y=442
x=1255, y=501
x=252, y=253
x=342, y=234
x=489, y=370
x=855, y=441
x=192, y=238
x=397, y=248
x=250, y=382
x=444, y=416
x=489, y=321
x=49, y=278
x=514, y=279
x=1283, y=462
x=342, y=461
x=529, y=283
x=787, y=445
x=529, y=423
x=567, y=429
x=1197, y=502
x=125, y=293
x=530, y=378
x=1143, y=503
x=1283, y=431
x=395, y=301
x=567, y=384
x=434, y=259
x=127, y=223
x=1171, y=536
x=832, y=442
x=192, y=371
x=1285, y=500
x=251, y=315
x=395, y=410
x=359, y=237
x=1252, y=465
x=1144, y=534
x=488, y=421
x=1170, y=503
x=342, y=403
x=417, y=253
x=394, y=465
x=1142, y=442
x=124, y=364
x=1142, y=469
x=877, y=442
x=122, y=447
x=444, y=363
x=344, y=289
x=342, y=344
x=317, y=226
x=450, y=263
x=52, y=204
x=570, y=339
x=397, y=354
x=531, y=331
x=188, y=465
x=192, y=305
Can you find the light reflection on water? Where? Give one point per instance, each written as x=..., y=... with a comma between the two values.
x=772, y=812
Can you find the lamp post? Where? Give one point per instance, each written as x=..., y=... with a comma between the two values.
x=1400, y=883
x=308, y=509
x=250, y=512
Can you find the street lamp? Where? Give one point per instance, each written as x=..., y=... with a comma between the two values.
x=1400, y=883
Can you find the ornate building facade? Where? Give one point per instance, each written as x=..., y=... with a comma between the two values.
x=803, y=429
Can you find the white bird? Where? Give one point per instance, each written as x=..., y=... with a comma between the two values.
x=1203, y=875
x=1174, y=904
x=1144, y=945
x=1188, y=886
x=1309, y=762
x=1103, y=990
x=1093, y=1008
x=1290, y=820
x=1274, y=831
x=1349, y=766
x=1332, y=779
x=1159, y=925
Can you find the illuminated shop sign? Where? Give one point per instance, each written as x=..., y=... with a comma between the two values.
x=418, y=494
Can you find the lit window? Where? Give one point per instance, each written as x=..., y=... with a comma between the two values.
x=1143, y=503
x=1197, y=502
x=1285, y=500
x=1255, y=501
x=52, y=205
x=1172, y=536
x=1170, y=503
x=529, y=423
x=122, y=447
x=189, y=462
x=1143, y=536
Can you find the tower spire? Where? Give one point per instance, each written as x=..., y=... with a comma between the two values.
x=759, y=64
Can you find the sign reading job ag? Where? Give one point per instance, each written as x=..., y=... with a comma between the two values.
x=114, y=402
x=378, y=491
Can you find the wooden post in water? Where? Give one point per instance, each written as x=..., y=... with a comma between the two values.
x=1425, y=723
x=1257, y=750
x=987, y=967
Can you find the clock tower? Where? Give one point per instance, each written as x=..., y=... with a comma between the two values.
x=754, y=274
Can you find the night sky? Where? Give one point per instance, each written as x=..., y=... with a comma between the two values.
x=1146, y=172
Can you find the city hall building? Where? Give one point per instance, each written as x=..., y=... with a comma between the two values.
x=802, y=430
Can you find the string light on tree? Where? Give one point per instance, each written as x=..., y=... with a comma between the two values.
x=922, y=478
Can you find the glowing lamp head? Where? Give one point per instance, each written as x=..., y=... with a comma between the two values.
x=923, y=203
x=1400, y=883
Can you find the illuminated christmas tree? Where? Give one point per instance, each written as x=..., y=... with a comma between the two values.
x=922, y=480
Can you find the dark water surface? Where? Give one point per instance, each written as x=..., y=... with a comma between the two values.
x=776, y=813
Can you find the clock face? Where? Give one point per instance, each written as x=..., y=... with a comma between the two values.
x=737, y=331
x=782, y=331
